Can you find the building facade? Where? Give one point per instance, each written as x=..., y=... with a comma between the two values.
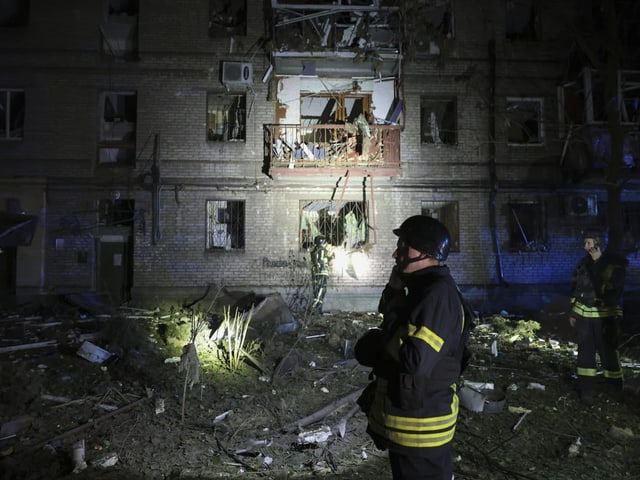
x=165, y=147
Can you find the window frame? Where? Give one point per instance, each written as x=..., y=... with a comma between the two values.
x=8, y=122
x=541, y=137
x=212, y=123
x=526, y=228
x=221, y=27
x=336, y=235
x=234, y=212
x=450, y=109
x=446, y=212
x=20, y=16
x=521, y=34
x=109, y=144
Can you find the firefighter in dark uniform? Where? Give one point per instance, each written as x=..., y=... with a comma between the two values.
x=596, y=312
x=321, y=258
x=412, y=406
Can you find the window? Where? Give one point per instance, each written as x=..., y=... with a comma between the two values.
x=327, y=109
x=524, y=121
x=14, y=13
x=522, y=21
x=438, y=121
x=447, y=213
x=12, y=107
x=225, y=225
x=526, y=227
x=343, y=223
x=120, y=29
x=226, y=117
x=227, y=18
x=116, y=212
x=117, y=143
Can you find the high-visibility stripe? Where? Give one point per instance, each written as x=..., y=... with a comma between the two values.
x=426, y=335
x=421, y=440
x=596, y=312
x=586, y=372
x=418, y=432
x=614, y=375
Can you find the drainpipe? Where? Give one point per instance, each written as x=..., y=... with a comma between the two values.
x=493, y=178
x=156, y=234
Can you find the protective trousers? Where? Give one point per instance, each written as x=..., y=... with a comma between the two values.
x=598, y=336
x=432, y=464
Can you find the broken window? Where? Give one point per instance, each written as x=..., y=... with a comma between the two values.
x=333, y=108
x=522, y=20
x=14, y=13
x=526, y=227
x=631, y=227
x=120, y=29
x=117, y=142
x=227, y=18
x=225, y=225
x=438, y=120
x=12, y=111
x=116, y=212
x=447, y=213
x=343, y=223
x=226, y=117
x=524, y=121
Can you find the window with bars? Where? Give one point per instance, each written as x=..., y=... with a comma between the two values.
x=524, y=121
x=117, y=136
x=12, y=112
x=343, y=223
x=447, y=213
x=438, y=122
x=225, y=225
x=226, y=117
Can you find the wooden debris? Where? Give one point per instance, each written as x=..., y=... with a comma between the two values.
x=323, y=412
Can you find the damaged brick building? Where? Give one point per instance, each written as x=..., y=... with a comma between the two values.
x=167, y=146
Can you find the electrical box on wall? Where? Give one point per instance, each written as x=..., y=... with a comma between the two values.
x=582, y=205
x=237, y=74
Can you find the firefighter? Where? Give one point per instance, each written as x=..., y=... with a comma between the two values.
x=596, y=312
x=412, y=406
x=321, y=258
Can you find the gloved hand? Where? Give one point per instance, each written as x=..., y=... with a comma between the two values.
x=396, y=281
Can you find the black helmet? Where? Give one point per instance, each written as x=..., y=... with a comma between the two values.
x=598, y=235
x=427, y=235
x=319, y=240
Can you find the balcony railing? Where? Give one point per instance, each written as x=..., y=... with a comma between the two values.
x=298, y=149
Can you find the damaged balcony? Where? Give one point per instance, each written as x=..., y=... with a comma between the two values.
x=321, y=149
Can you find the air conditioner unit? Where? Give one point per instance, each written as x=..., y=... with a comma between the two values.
x=582, y=205
x=237, y=74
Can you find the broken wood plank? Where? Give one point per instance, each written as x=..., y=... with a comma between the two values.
x=323, y=412
x=91, y=423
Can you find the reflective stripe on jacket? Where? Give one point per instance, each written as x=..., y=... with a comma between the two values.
x=415, y=403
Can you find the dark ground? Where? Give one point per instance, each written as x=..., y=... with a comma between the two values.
x=243, y=424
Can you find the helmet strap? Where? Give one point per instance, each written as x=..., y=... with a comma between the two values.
x=404, y=254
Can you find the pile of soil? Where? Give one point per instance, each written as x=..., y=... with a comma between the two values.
x=287, y=411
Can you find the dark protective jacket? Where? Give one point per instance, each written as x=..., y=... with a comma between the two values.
x=321, y=259
x=597, y=286
x=413, y=404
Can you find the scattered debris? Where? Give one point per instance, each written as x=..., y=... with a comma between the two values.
x=314, y=437
x=93, y=353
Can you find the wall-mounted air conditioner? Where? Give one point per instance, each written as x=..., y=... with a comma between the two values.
x=237, y=74
x=582, y=205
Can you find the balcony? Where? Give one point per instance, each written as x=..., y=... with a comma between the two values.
x=290, y=150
